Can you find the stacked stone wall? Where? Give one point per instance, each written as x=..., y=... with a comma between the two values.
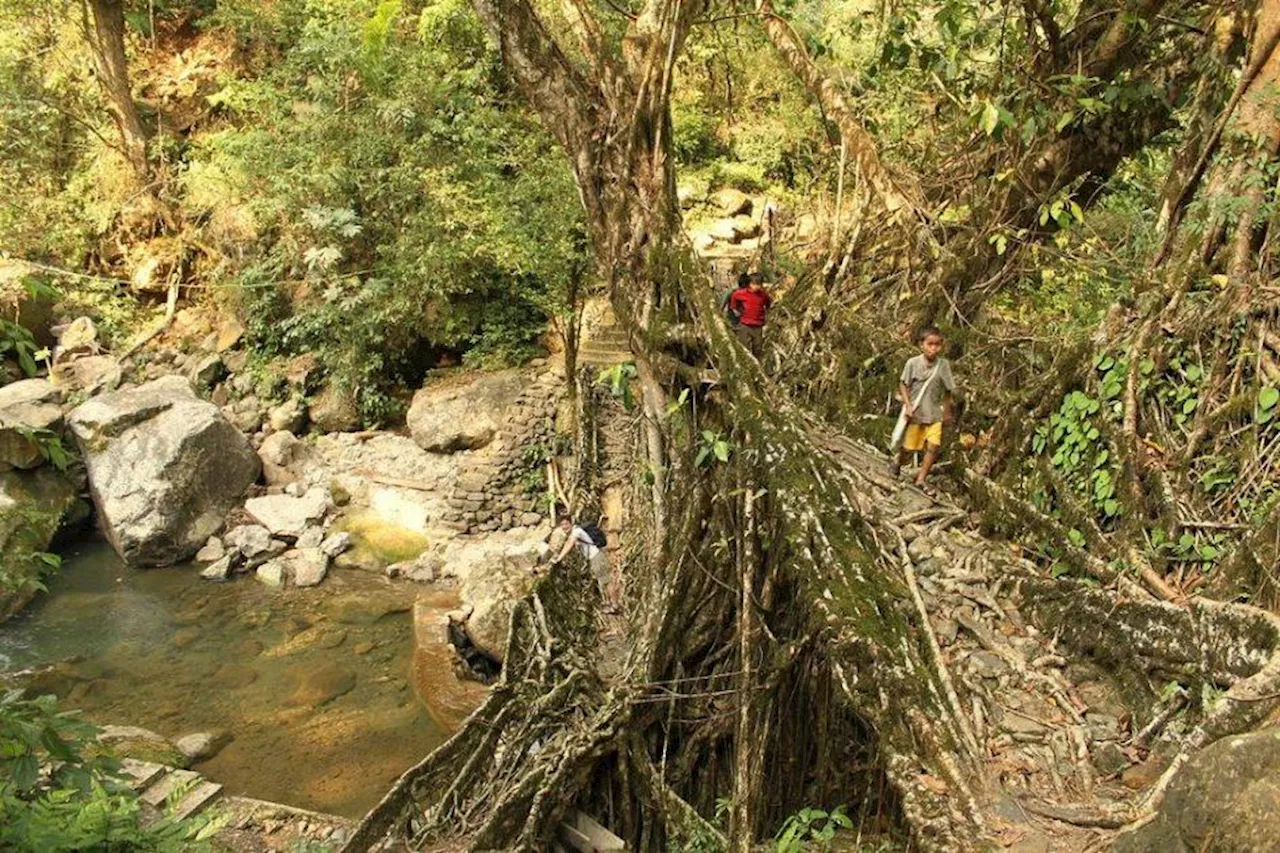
x=490, y=492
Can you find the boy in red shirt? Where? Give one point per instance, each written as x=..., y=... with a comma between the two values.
x=751, y=304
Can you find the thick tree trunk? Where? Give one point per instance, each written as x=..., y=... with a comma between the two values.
x=112, y=66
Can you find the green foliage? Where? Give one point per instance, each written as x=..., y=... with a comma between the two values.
x=811, y=826
x=18, y=343
x=713, y=447
x=59, y=792
x=1200, y=548
x=1076, y=448
x=618, y=380
x=1265, y=409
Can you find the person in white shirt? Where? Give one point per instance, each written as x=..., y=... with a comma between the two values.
x=597, y=559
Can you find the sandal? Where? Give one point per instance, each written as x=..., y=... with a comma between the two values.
x=929, y=491
x=895, y=470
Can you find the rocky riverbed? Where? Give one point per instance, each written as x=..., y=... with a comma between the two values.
x=307, y=694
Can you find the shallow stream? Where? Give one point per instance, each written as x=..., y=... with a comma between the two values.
x=312, y=685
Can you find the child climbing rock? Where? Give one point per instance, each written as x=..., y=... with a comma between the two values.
x=926, y=390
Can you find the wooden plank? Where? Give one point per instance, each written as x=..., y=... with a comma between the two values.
x=142, y=774
x=160, y=791
x=575, y=839
x=601, y=839
x=199, y=797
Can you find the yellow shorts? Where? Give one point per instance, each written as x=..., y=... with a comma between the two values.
x=918, y=435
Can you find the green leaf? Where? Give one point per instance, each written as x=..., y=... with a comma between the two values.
x=24, y=771
x=1190, y=406
x=1268, y=397
x=1075, y=537
x=721, y=450
x=990, y=118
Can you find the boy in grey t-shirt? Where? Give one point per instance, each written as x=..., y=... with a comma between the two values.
x=929, y=373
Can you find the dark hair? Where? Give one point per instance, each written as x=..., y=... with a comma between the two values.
x=757, y=278
x=563, y=517
x=744, y=279
x=929, y=331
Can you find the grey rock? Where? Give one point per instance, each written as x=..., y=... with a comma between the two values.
x=211, y=552
x=308, y=566
x=1102, y=726
x=290, y=415
x=25, y=406
x=247, y=421
x=274, y=549
x=311, y=538
x=987, y=665
x=336, y=544
x=251, y=540
x=207, y=372
x=463, y=416
x=732, y=202
x=278, y=451
x=218, y=570
x=1109, y=758
x=165, y=468
x=91, y=373
x=288, y=516
x=271, y=573
x=1223, y=799
x=202, y=745
x=334, y=410
x=278, y=448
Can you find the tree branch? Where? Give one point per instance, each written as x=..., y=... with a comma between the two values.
x=861, y=147
x=554, y=87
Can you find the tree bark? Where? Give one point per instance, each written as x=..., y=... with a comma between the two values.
x=107, y=43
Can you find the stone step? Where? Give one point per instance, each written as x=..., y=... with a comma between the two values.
x=614, y=337
x=605, y=359
x=158, y=793
x=199, y=798
x=142, y=774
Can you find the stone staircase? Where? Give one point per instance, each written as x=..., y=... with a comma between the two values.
x=250, y=826
x=157, y=783
x=605, y=346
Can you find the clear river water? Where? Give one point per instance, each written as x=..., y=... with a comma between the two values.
x=312, y=685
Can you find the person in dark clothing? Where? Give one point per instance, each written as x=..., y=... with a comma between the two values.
x=751, y=304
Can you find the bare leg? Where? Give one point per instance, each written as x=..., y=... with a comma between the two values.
x=930, y=456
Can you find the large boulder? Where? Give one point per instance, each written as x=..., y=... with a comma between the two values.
x=26, y=407
x=1224, y=799
x=493, y=572
x=732, y=202
x=335, y=410
x=446, y=417
x=165, y=469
